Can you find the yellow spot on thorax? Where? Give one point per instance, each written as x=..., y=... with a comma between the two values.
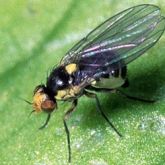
x=71, y=68
x=70, y=92
x=60, y=94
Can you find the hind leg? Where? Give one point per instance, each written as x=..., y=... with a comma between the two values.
x=125, y=85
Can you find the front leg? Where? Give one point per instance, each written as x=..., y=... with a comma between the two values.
x=65, y=118
x=46, y=122
x=94, y=96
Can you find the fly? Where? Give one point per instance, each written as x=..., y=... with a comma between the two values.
x=97, y=63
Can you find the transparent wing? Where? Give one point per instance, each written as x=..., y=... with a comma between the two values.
x=125, y=36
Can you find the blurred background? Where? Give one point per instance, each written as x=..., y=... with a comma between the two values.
x=34, y=36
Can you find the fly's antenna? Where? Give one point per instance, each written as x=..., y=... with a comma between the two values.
x=26, y=101
x=30, y=103
x=31, y=113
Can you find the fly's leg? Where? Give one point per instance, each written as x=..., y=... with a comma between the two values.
x=65, y=118
x=125, y=85
x=133, y=97
x=94, y=96
x=46, y=122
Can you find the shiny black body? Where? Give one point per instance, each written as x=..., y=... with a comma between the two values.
x=101, y=59
x=93, y=67
x=57, y=80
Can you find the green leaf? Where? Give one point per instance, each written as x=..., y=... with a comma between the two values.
x=34, y=35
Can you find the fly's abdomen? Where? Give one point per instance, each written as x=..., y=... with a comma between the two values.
x=112, y=79
x=101, y=76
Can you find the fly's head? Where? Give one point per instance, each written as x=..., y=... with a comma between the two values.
x=43, y=100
